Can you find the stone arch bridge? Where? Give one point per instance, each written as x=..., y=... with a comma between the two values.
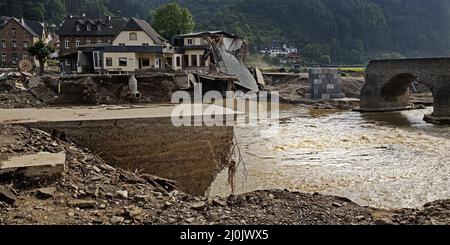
x=388, y=81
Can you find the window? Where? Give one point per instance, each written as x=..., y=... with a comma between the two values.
x=67, y=44
x=190, y=41
x=145, y=62
x=99, y=27
x=14, y=58
x=145, y=44
x=89, y=42
x=4, y=57
x=133, y=36
x=123, y=61
x=3, y=44
x=109, y=61
x=25, y=57
x=178, y=61
x=78, y=27
x=25, y=44
x=194, y=60
x=77, y=42
x=88, y=27
x=121, y=44
x=13, y=32
x=14, y=44
x=99, y=41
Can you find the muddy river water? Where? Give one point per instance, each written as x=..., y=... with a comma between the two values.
x=384, y=160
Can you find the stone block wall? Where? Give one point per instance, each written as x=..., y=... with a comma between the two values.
x=325, y=83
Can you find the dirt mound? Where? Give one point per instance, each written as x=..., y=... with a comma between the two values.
x=12, y=96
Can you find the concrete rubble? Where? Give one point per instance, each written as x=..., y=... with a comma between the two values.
x=33, y=165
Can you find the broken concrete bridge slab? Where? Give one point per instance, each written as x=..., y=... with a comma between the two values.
x=35, y=165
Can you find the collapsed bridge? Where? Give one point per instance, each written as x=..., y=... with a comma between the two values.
x=388, y=81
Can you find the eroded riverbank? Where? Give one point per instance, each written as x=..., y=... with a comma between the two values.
x=384, y=160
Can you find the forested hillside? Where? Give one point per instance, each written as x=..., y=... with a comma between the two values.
x=350, y=31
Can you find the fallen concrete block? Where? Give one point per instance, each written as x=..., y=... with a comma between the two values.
x=35, y=165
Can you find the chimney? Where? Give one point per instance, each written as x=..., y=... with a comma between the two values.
x=22, y=21
x=108, y=18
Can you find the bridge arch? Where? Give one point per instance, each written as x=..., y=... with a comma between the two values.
x=388, y=81
x=396, y=89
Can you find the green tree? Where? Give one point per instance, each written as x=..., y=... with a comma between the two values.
x=172, y=19
x=37, y=12
x=42, y=52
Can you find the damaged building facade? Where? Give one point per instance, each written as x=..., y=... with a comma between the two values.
x=129, y=45
x=216, y=58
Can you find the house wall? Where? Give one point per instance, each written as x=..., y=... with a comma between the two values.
x=21, y=36
x=131, y=61
x=124, y=37
x=83, y=41
x=199, y=54
x=195, y=41
x=152, y=58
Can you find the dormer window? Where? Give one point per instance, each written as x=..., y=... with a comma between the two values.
x=99, y=27
x=78, y=27
x=133, y=36
x=88, y=27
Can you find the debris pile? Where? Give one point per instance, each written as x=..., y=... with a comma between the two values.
x=14, y=92
x=90, y=191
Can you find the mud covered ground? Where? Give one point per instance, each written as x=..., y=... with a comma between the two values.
x=92, y=192
x=48, y=91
